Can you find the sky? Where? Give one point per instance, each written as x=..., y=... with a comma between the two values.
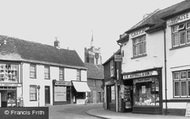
x=74, y=22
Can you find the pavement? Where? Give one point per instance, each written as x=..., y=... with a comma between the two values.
x=107, y=114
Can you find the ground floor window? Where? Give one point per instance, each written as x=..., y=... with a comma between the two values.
x=146, y=92
x=181, y=83
x=33, y=92
x=61, y=93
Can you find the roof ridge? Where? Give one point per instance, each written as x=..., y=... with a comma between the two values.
x=144, y=19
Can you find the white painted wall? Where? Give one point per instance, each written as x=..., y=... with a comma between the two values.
x=83, y=75
x=154, y=58
x=70, y=74
x=177, y=59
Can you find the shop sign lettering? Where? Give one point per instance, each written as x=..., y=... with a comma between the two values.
x=118, y=58
x=141, y=74
x=24, y=113
x=63, y=83
x=138, y=32
x=180, y=18
x=10, y=84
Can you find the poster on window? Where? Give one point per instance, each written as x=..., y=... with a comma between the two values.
x=143, y=89
x=112, y=93
x=60, y=93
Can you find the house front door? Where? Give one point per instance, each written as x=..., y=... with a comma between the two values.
x=47, y=94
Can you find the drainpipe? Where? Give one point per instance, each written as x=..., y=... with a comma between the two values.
x=118, y=78
x=165, y=68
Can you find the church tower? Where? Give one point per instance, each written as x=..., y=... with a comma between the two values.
x=92, y=54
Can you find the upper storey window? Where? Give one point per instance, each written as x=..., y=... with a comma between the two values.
x=180, y=34
x=9, y=73
x=139, y=46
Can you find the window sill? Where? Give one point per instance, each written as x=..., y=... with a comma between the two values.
x=182, y=46
x=135, y=57
x=33, y=100
x=33, y=78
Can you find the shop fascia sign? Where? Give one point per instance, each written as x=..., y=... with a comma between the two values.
x=138, y=32
x=179, y=18
x=140, y=74
x=63, y=83
x=10, y=84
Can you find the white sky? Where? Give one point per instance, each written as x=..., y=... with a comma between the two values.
x=73, y=21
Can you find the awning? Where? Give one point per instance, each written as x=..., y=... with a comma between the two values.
x=81, y=86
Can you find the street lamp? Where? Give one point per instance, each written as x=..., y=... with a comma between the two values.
x=38, y=87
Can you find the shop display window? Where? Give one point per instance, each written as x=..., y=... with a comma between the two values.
x=146, y=92
x=8, y=73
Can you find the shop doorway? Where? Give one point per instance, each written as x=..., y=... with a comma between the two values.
x=127, y=101
x=99, y=97
x=47, y=94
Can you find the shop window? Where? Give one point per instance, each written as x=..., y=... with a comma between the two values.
x=139, y=46
x=33, y=93
x=61, y=74
x=112, y=93
x=32, y=71
x=46, y=72
x=8, y=73
x=146, y=92
x=180, y=34
x=181, y=84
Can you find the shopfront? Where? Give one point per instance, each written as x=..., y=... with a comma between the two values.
x=79, y=92
x=9, y=84
x=143, y=91
x=110, y=95
x=62, y=92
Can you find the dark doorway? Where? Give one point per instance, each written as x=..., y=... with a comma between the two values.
x=47, y=94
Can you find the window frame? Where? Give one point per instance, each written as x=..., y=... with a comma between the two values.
x=176, y=34
x=183, y=76
x=139, y=46
x=47, y=74
x=61, y=74
x=78, y=75
x=35, y=92
x=33, y=72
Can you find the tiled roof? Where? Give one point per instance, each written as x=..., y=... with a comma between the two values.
x=157, y=18
x=94, y=71
x=20, y=50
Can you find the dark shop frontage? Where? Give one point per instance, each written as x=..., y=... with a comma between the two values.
x=141, y=92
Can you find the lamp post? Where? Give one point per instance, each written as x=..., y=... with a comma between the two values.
x=38, y=88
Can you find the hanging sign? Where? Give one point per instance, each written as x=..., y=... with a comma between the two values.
x=118, y=58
